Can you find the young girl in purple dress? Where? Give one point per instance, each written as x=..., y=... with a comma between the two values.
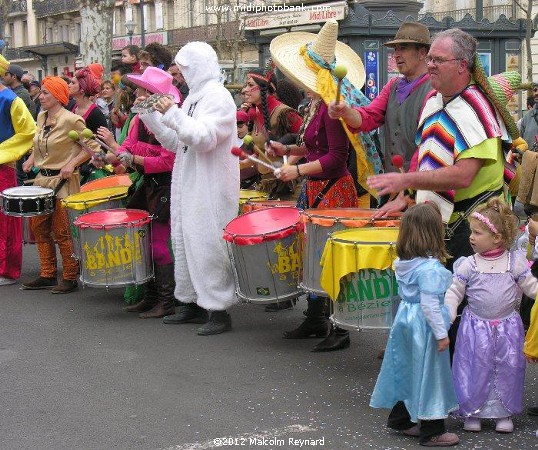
x=489, y=364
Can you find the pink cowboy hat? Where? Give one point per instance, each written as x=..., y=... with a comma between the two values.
x=157, y=81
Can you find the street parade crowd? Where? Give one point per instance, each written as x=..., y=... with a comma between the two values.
x=156, y=176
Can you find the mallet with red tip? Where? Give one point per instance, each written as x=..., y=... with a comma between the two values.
x=241, y=154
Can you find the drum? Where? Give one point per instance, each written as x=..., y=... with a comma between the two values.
x=107, y=182
x=319, y=223
x=263, y=246
x=250, y=194
x=84, y=202
x=254, y=205
x=115, y=247
x=357, y=273
x=27, y=201
x=27, y=234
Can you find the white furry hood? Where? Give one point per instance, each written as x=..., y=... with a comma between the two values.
x=199, y=64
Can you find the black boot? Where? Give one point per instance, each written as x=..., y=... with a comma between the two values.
x=149, y=300
x=316, y=323
x=338, y=339
x=188, y=313
x=219, y=322
x=165, y=285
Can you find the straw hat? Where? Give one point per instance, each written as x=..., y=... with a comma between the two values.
x=410, y=33
x=499, y=89
x=285, y=51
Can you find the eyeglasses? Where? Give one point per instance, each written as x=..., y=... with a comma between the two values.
x=240, y=124
x=438, y=61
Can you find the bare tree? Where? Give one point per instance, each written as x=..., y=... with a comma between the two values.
x=527, y=11
x=96, y=31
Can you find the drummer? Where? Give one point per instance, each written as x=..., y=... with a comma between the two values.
x=57, y=157
x=142, y=151
x=324, y=142
x=16, y=135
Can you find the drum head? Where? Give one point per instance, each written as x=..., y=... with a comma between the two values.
x=262, y=225
x=85, y=200
x=26, y=191
x=350, y=217
x=112, y=218
x=106, y=182
x=366, y=236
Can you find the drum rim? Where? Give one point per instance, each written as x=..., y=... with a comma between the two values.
x=79, y=221
x=46, y=192
x=307, y=215
x=95, y=201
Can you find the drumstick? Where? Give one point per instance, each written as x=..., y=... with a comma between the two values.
x=251, y=146
x=76, y=137
x=398, y=162
x=88, y=134
x=340, y=72
x=241, y=154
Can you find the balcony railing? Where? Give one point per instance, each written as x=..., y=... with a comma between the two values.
x=13, y=54
x=208, y=33
x=492, y=13
x=17, y=7
x=44, y=8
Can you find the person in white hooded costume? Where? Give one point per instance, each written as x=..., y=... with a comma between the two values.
x=205, y=188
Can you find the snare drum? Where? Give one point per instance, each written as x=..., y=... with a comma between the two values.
x=115, y=247
x=254, y=205
x=263, y=246
x=319, y=223
x=84, y=202
x=357, y=273
x=27, y=201
x=107, y=182
x=250, y=194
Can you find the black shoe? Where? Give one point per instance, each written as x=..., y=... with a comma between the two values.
x=188, y=313
x=309, y=328
x=532, y=411
x=65, y=287
x=338, y=339
x=40, y=283
x=219, y=322
x=280, y=306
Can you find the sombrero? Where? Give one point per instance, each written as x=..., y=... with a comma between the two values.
x=499, y=89
x=286, y=53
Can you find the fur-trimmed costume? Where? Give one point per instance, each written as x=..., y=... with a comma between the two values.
x=205, y=179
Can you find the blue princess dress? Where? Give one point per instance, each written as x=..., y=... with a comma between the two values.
x=489, y=364
x=413, y=370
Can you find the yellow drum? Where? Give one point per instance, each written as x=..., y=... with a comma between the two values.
x=249, y=194
x=357, y=274
x=84, y=202
x=319, y=223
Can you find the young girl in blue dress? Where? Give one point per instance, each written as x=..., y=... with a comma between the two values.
x=415, y=378
x=489, y=364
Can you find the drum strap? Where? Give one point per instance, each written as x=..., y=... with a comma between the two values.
x=60, y=185
x=324, y=191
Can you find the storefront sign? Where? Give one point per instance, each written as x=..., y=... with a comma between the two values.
x=121, y=41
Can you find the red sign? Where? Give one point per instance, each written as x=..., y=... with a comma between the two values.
x=121, y=41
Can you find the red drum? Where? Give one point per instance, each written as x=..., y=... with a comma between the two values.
x=319, y=223
x=254, y=205
x=115, y=247
x=264, y=247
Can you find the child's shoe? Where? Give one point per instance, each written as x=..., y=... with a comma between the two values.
x=442, y=440
x=472, y=424
x=504, y=425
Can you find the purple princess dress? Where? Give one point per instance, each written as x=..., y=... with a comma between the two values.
x=489, y=364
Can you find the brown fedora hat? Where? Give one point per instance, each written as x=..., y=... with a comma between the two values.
x=411, y=33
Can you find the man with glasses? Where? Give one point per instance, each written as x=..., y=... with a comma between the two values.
x=397, y=107
x=529, y=124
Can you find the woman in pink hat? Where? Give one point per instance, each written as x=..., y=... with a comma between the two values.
x=142, y=152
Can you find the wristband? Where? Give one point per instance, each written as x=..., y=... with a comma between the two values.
x=298, y=171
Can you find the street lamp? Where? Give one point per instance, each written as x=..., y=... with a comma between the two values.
x=130, y=25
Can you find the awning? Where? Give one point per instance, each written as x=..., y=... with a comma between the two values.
x=54, y=48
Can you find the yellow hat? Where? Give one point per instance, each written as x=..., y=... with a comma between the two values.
x=4, y=64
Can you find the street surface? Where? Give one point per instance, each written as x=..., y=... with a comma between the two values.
x=78, y=373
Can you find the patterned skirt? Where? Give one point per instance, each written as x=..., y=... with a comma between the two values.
x=342, y=193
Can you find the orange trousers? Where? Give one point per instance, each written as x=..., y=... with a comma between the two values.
x=48, y=230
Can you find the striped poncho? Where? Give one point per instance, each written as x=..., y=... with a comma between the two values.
x=446, y=130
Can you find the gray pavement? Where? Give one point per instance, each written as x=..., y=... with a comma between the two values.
x=78, y=373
